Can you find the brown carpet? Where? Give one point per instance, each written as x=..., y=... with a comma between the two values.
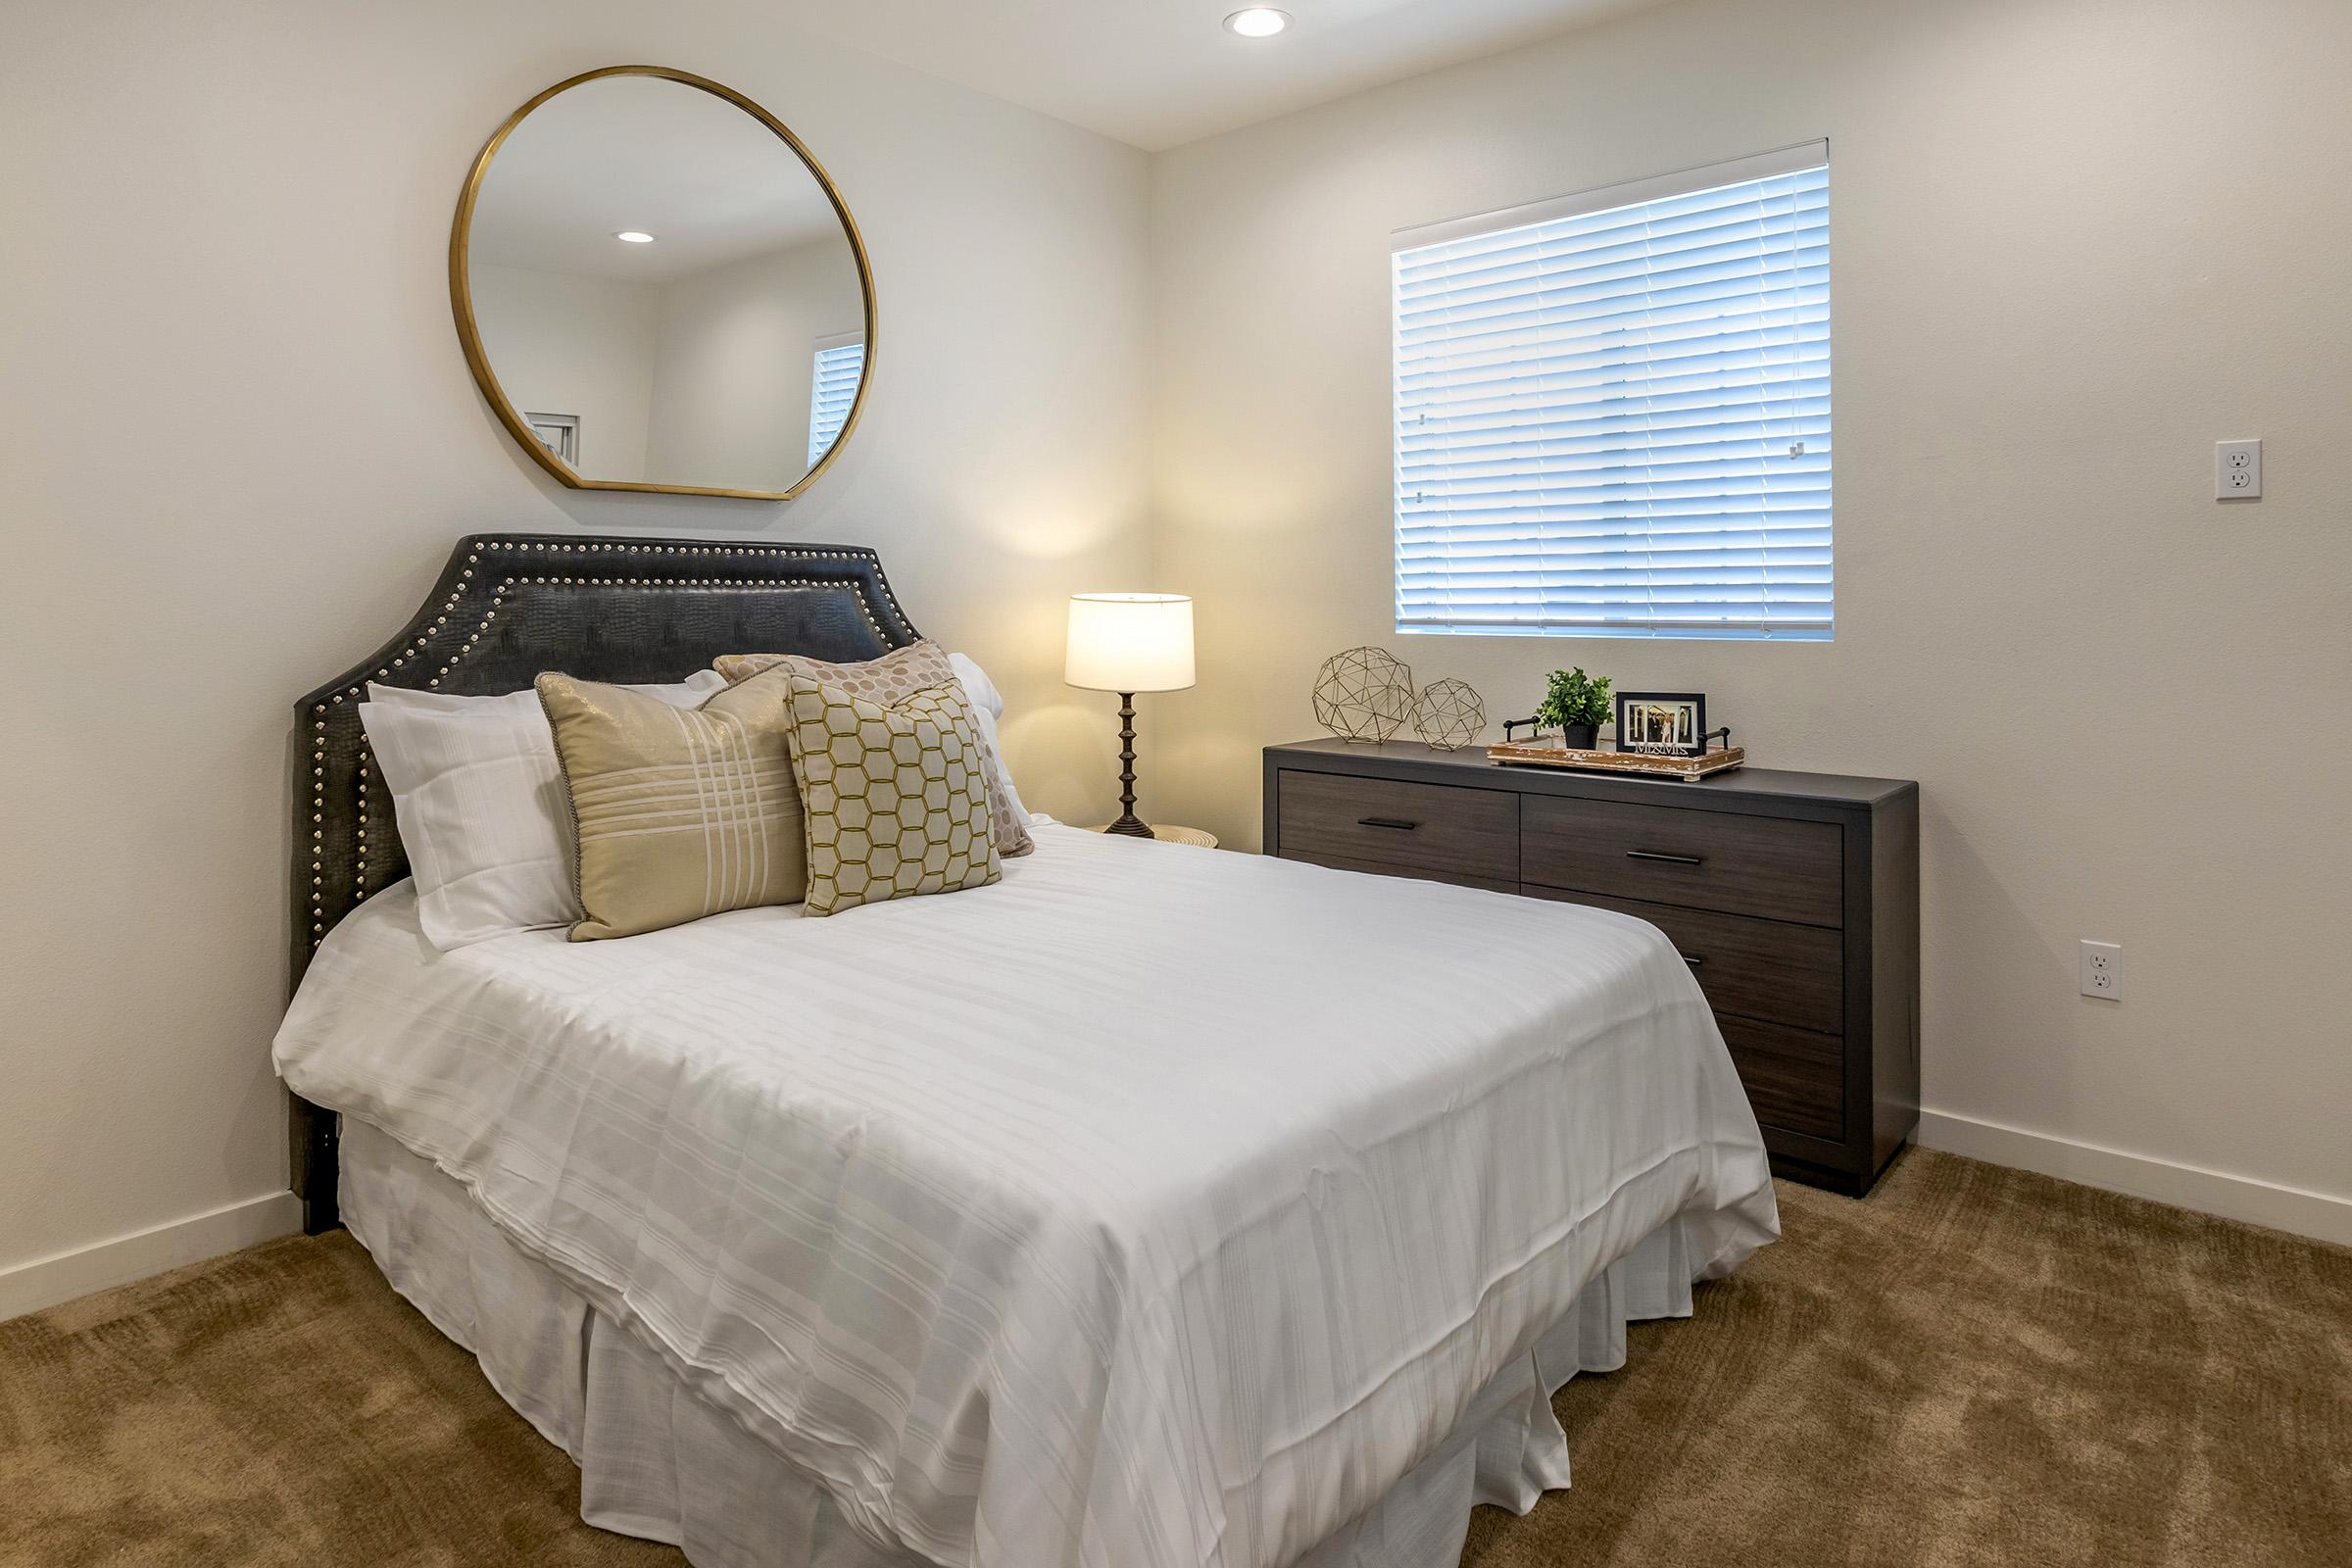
x=1975, y=1366
x=279, y=1406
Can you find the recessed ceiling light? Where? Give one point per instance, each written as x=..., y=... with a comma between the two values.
x=1258, y=22
x=634, y=236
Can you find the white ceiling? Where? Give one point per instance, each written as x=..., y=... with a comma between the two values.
x=1160, y=73
x=710, y=185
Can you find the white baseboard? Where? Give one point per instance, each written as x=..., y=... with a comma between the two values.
x=2210, y=1192
x=47, y=1281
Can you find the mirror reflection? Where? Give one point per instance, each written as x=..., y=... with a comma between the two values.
x=662, y=290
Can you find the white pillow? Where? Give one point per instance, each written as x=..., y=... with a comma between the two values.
x=479, y=798
x=976, y=685
x=988, y=706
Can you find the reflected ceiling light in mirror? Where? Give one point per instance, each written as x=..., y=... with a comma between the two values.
x=633, y=236
x=1257, y=21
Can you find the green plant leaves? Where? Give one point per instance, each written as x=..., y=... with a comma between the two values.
x=1572, y=696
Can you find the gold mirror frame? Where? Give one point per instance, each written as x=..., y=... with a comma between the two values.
x=461, y=292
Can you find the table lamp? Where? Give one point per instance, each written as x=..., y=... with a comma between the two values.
x=1129, y=643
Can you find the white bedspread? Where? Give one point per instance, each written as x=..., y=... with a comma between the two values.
x=1156, y=1207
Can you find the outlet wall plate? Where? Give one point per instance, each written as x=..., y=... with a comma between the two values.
x=2100, y=971
x=2237, y=471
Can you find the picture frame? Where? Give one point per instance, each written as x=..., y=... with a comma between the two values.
x=1662, y=723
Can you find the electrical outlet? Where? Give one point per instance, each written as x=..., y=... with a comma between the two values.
x=2237, y=471
x=2101, y=967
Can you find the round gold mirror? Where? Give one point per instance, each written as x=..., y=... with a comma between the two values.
x=660, y=289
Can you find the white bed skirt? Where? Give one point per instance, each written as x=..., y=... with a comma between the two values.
x=658, y=1462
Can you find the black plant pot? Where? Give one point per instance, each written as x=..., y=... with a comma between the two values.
x=1582, y=737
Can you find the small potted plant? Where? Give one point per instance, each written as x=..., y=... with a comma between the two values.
x=1579, y=704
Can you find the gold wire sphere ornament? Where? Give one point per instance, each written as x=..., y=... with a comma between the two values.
x=1365, y=693
x=1449, y=714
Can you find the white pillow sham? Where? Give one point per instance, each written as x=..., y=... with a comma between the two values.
x=478, y=795
x=976, y=684
x=988, y=706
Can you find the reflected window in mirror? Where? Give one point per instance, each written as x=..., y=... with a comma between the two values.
x=839, y=365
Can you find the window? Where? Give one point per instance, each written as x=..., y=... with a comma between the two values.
x=832, y=389
x=1613, y=410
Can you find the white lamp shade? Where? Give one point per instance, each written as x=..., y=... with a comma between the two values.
x=1130, y=642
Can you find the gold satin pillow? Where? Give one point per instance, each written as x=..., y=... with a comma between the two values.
x=896, y=796
x=893, y=678
x=677, y=812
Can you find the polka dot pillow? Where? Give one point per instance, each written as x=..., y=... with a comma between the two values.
x=890, y=679
x=895, y=793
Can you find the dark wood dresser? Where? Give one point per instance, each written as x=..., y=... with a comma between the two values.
x=1793, y=897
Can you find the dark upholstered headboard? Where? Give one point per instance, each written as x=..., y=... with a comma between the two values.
x=507, y=606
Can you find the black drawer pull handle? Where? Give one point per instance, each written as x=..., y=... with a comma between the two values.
x=1695, y=959
x=1670, y=859
x=1396, y=822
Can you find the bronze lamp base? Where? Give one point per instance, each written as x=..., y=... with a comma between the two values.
x=1130, y=825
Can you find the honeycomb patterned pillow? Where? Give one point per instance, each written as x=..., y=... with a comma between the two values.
x=895, y=793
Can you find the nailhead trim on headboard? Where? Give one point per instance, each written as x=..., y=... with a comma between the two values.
x=748, y=569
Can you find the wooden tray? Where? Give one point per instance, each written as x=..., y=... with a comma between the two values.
x=1641, y=763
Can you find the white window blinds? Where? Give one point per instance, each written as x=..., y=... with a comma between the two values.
x=832, y=390
x=1613, y=410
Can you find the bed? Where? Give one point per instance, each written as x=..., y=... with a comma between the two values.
x=1154, y=1206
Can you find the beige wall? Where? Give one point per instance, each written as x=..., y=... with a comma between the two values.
x=237, y=439
x=2075, y=243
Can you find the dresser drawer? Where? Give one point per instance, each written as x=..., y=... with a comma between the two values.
x=1796, y=1080
x=1413, y=873
x=1767, y=970
x=1777, y=867
x=1377, y=823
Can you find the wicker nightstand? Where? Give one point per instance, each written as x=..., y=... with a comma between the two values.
x=1199, y=837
